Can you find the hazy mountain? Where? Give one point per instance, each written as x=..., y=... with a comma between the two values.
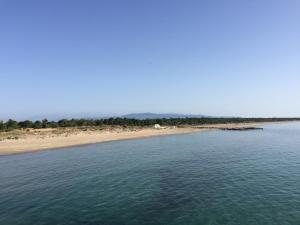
x=59, y=116
x=142, y=116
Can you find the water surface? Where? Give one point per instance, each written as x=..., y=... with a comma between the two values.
x=209, y=178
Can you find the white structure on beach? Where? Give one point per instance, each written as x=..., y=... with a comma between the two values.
x=157, y=126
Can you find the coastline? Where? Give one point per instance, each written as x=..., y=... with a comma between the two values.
x=39, y=143
x=46, y=139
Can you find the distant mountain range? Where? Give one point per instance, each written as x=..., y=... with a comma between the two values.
x=139, y=116
x=142, y=116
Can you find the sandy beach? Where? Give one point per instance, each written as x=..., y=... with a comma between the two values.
x=29, y=140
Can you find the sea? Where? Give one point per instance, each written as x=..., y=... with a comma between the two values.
x=202, y=178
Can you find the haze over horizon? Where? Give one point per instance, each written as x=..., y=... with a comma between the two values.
x=119, y=57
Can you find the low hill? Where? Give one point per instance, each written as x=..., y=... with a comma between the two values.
x=142, y=116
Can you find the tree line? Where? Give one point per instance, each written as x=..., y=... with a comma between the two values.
x=12, y=124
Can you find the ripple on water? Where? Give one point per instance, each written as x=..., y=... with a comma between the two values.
x=228, y=178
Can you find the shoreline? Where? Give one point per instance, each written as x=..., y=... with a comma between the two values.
x=36, y=144
x=48, y=139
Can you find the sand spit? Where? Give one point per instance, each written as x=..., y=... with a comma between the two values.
x=21, y=141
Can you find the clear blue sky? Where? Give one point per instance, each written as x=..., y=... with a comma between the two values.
x=220, y=58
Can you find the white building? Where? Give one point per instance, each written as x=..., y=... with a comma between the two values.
x=157, y=126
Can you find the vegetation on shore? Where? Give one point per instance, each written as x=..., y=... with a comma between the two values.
x=12, y=124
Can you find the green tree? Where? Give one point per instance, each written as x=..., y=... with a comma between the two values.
x=25, y=124
x=11, y=124
x=2, y=126
x=37, y=124
x=45, y=123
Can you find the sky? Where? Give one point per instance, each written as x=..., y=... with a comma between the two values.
x=213, y=57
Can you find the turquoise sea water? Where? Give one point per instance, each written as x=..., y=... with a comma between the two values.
x=209, y=178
